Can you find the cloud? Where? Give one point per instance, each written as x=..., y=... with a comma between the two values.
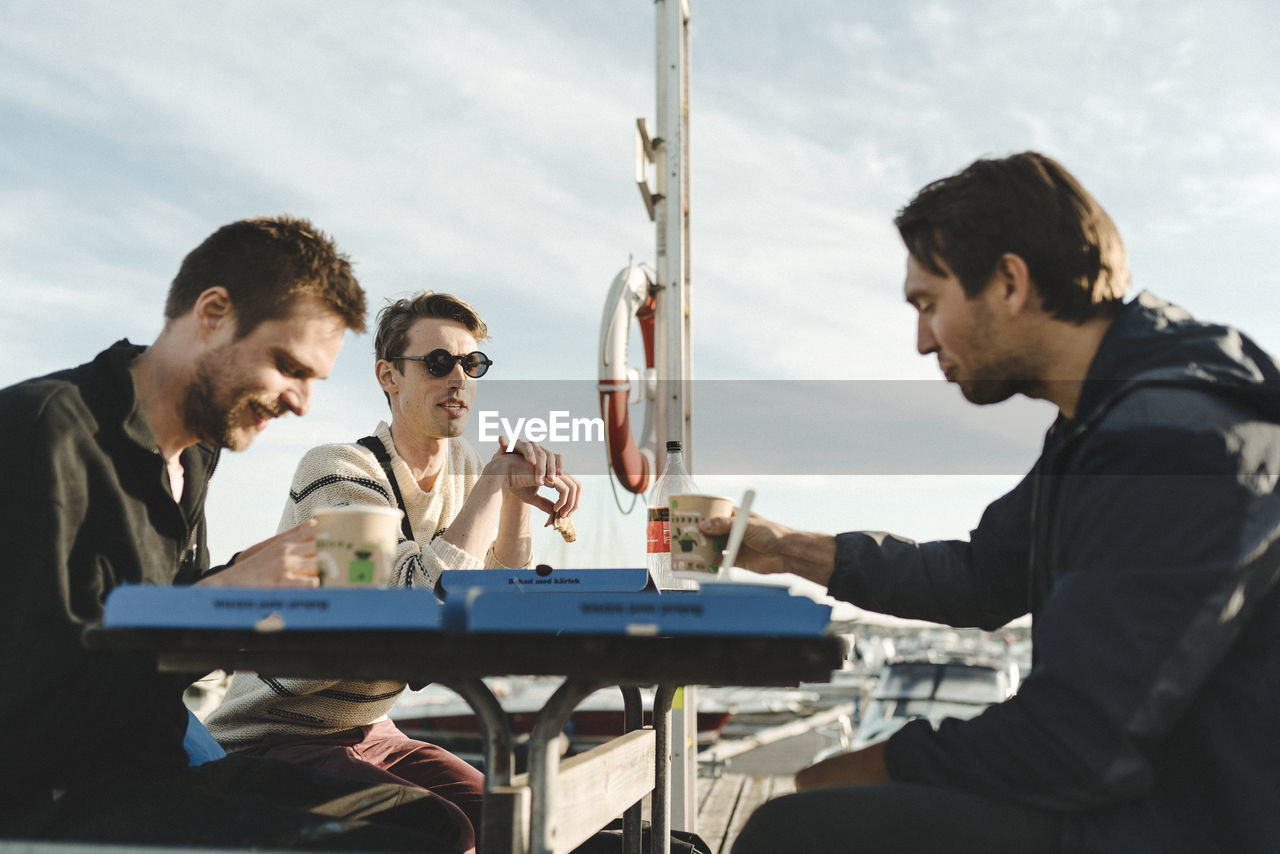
x=486, y=149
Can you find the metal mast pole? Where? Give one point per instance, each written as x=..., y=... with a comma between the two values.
x=673, y=357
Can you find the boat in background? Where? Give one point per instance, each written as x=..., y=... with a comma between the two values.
x=934, y=687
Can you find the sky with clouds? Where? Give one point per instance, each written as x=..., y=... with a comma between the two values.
x=487, y=149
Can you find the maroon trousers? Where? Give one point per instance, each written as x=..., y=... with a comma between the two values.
x=381, y=753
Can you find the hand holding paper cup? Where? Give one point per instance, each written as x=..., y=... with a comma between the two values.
x=691, y=549
x=356, y=545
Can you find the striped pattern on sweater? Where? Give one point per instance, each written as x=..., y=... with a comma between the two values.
x=256, y=706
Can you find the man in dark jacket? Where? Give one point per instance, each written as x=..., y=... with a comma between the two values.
x=105, y=473
x=1144, y=543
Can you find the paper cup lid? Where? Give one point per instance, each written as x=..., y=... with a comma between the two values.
x=703, y=495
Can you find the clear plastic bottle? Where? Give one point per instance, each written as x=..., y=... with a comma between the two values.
x=674, y=480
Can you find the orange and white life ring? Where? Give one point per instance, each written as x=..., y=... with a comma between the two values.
x=630, y=295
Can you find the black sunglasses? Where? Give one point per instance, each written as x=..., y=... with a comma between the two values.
x=440, y=362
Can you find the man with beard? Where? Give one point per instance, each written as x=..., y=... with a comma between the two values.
x=1145, y=544
x=106, y=471
x=460, y=513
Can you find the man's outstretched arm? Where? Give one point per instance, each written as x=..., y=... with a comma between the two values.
x=770, y=548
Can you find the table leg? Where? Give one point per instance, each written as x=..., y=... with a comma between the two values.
x=632, y=820
x=544, y=758
x=506, y=809
x=660, y=841
x=498, y=741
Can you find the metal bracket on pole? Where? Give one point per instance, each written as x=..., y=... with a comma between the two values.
x=646, y=156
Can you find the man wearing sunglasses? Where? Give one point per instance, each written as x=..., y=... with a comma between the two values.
x=461, y=513
x=1144, y=543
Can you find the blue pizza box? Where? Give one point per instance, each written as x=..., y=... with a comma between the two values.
x=546, y=579
x=459, y=586
x=716, y=609
x=270, y=609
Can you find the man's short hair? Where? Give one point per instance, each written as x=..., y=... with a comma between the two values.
x=1027, y=204
x=266, y=264
x=397, y=317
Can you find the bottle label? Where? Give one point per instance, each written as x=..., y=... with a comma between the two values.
x=659, y=531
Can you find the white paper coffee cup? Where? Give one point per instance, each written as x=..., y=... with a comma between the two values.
x=356, y=544
x=692, y=550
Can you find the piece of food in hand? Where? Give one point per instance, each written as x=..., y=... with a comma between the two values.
x=564, y=525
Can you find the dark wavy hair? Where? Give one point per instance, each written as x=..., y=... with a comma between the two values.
x=1031, y=206
x=395, y=318
x=266, y=264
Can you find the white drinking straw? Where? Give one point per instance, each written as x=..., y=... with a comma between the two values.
x=739, y=527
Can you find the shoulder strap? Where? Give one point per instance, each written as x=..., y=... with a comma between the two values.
x=374, y=444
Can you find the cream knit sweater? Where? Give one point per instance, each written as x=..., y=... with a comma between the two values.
x=329, y=475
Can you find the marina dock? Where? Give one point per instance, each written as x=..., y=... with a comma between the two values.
x=725, y=803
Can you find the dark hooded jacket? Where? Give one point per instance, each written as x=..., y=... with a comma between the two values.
x=1145, y=544
x=85, y=505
